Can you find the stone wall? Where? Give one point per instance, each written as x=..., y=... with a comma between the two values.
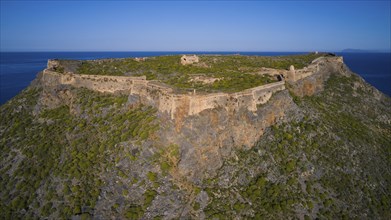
x=310, y=80
x=163, y=97
x=178, y=106
x=294, y=75
x=98, y=83
x=52, y=64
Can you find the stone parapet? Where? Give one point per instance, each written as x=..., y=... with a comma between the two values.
x=166, y=100
x=163, y=97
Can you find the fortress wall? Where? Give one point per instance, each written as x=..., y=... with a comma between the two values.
x=262, y=94
x=50, y=78
x=315, y=67
x=109, y=84
x=166, y=104
x=306, y=71
x=249, y=99
x=199, y=103
x=246, y=101
x=154, y=94
x=147, y=95
x=301, y=75
x=162, y=97
x=179, y=106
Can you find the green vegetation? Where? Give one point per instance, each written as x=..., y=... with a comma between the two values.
x=234, y=72
x=134, y=212
x=149, y=195
x=331, y=164
x=62, y=148
x=169, y=158
x=152, y=176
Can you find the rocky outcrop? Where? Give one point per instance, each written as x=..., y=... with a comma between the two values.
x=210, y=136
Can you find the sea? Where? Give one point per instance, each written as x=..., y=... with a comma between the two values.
x=18, y=69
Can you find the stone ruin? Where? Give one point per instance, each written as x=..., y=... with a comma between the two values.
x=178, y=105
x=138, y=59
x=187, y=59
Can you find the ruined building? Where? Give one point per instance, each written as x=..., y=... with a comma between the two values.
x=186, y=59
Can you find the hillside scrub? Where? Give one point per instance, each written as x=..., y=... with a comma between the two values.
x=58, y=156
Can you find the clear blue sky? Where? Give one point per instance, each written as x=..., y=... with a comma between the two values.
x=194, y=26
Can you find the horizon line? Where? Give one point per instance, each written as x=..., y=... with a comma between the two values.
x=151, y=51
x=202, y=51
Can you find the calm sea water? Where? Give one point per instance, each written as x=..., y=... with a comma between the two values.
x=375, y=68
x=18, y=69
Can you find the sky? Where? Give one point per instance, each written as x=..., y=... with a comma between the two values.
x=194, y=25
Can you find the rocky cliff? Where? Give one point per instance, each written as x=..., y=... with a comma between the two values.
x=89, y=146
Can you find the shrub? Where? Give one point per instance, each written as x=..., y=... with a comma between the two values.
x=152, y=176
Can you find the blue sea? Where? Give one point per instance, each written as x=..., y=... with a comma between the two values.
x=18, y=69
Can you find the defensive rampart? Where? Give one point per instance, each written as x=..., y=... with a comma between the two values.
x=98, y=83
x=166, y=100
x=163, y=97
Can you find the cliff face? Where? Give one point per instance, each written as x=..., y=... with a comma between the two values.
x=313, y=146
x=209, y=137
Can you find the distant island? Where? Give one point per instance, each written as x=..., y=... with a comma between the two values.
x=350, y=50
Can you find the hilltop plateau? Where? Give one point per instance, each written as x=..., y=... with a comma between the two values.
x=197, y=137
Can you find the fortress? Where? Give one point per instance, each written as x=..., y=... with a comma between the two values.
x=205, y=126
x=176, y=105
